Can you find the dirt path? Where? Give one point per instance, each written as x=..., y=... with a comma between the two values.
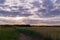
x=24, y=37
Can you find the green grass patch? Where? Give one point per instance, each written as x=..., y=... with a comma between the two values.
x=47, y=32
x=30, y=33
x=12, y=33
x=8, y=34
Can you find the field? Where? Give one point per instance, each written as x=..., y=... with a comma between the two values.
x=13, y=32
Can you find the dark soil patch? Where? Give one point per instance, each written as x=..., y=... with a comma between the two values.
x=29, y=35
x=25, y=37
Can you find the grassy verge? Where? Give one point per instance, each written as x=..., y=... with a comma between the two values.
x=8, y=34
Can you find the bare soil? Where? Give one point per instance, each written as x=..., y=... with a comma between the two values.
x=25, y=37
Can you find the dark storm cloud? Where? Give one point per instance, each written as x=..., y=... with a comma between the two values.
x=36, y=3
x=2, y=1
x=6, y=13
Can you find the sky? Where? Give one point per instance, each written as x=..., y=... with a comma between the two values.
x=30, y=12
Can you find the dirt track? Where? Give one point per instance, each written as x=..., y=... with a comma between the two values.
x=24, y=37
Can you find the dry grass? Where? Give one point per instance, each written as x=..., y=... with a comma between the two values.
x=53, y=32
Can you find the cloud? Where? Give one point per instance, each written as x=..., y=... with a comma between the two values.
x=33, y=11
x=12, y=2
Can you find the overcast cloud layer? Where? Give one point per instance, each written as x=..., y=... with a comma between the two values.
x=30, y=11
